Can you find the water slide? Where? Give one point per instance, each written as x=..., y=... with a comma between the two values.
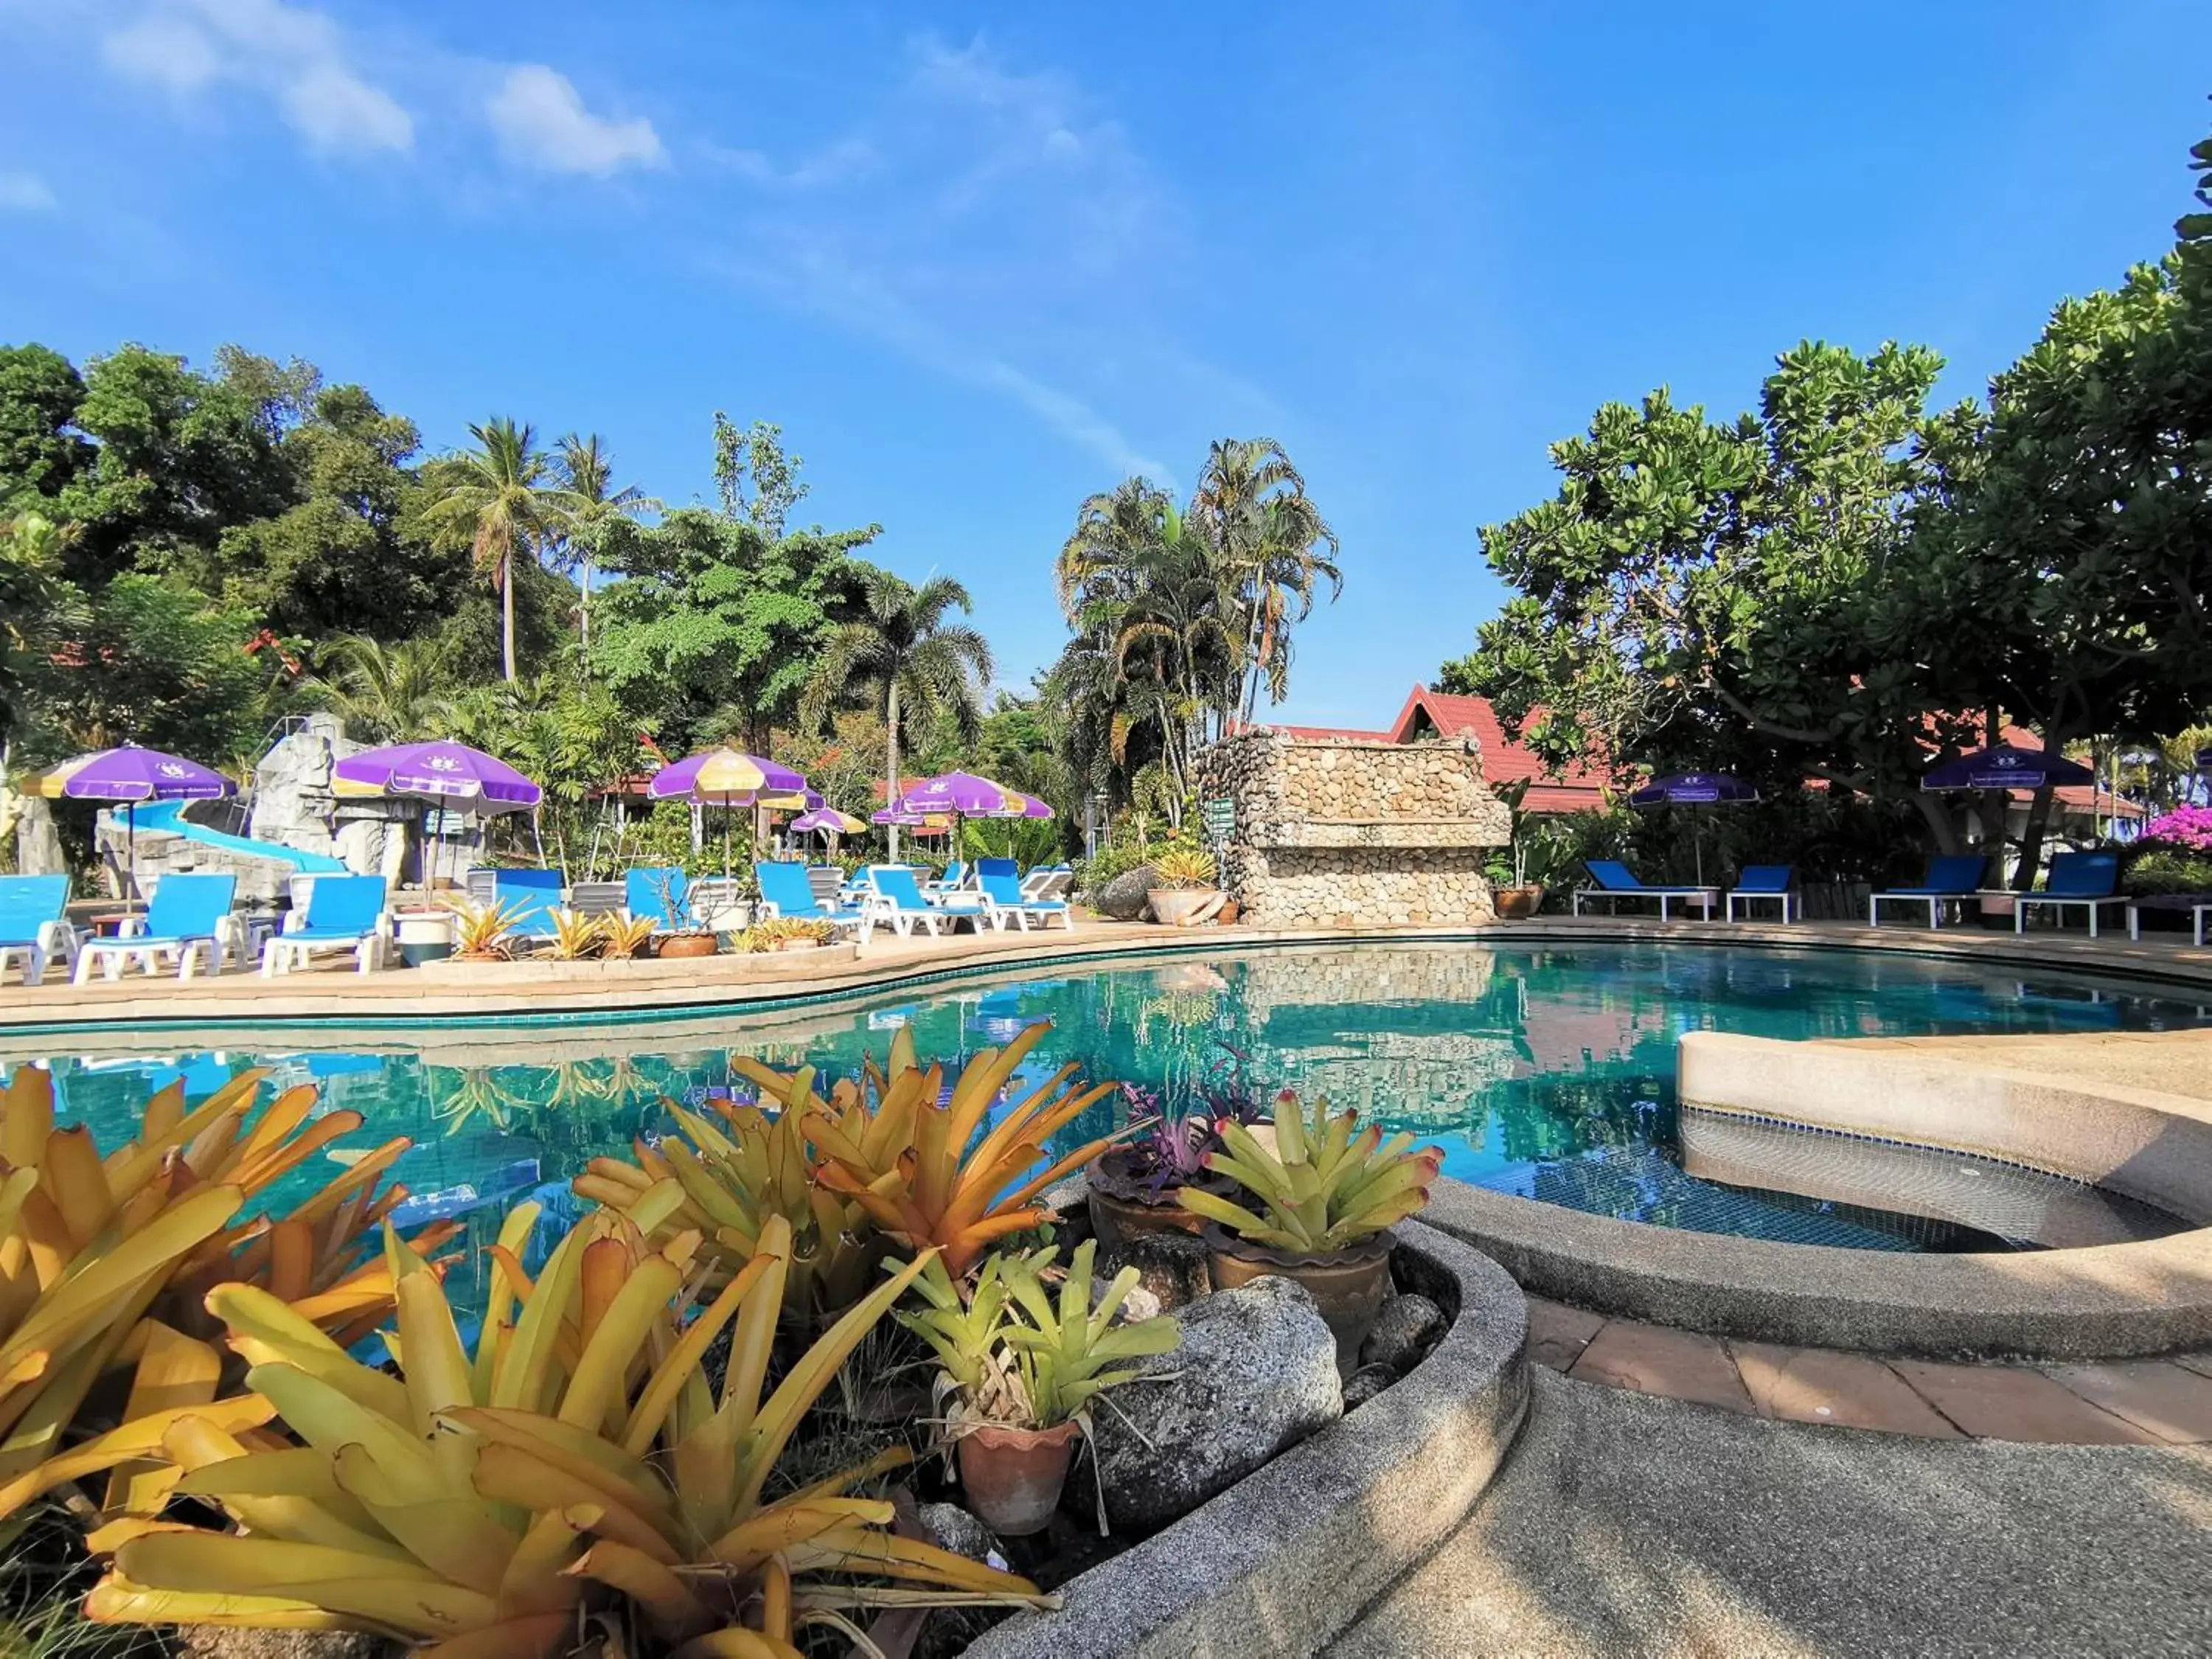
x=167, y=818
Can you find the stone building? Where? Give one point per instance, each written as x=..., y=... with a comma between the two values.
x=1339, y=832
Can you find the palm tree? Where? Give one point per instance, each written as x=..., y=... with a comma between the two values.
x=586, y=467
x=506, y=499
x=1269, y=538
x=925, y=669
x=384, y=693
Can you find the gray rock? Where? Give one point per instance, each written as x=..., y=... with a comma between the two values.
x=1173, y=1266
x=953, y=1528
x=1139, y=1304
x=1402, y=1333
x=1364, y=1384
x=1128, y=895
x=1254, y=1373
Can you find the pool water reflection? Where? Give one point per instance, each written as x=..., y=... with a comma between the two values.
x=1547, y=1072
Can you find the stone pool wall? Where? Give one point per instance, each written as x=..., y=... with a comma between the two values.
x=1337, y=833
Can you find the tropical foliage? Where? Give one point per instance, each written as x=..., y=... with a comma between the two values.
x=1182, y=615
x=1325, y=1182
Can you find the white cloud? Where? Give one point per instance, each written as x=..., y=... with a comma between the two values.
x=542, y=123
x=24, y=192
x=837, y=163
x=295, y=57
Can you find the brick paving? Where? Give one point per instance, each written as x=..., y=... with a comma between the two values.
x=2121, y=1402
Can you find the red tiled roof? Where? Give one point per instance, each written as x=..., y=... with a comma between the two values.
x=1576, y=788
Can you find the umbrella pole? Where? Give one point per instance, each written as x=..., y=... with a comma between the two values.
x=130, y=854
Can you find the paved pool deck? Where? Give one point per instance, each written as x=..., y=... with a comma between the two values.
x=1623, y=1524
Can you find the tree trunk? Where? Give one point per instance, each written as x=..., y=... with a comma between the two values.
x=890, y=763
x=1939, y=819
x=507, y=609
x=2031, y=840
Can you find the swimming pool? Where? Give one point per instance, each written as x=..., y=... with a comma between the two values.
x=1543, y=1071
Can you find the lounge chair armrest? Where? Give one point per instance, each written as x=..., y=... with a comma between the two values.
x=57, y=937
x=767, y=910
x=131, y=927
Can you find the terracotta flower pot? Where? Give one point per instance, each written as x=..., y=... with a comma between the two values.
x=1348, y=1286
x=1178, y=906
x=1013, y=1477
x=1119, y=1206
x=688, y=944
x=1515, y=902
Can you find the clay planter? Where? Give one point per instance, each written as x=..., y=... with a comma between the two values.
x=1119, y=1206
x=688, y=944
x=1178, y=906
x=1349, y=1286
x=1013, y=1477
x=797, y=944
x=1516, y=903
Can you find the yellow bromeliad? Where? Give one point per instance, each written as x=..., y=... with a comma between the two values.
x=926, y=1170
x=104, y=1262
x=577, y=1463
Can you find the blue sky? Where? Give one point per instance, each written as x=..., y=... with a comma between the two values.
x=979, y=261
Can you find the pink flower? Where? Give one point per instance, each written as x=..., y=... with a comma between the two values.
x=2185, y=826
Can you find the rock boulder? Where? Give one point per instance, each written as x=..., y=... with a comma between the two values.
x=1402, y=1333
x=1128, y=895
x=1255, y=1373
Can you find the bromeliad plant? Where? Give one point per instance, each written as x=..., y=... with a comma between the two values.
x=729, y=1177
x=926, y=1170
x=1183, y=867
x=575, y=1473
x=1325, y=1185
x=624, y=937
x=576, y=938
x=483, y=932
x=1013, y=1352
x=104, y=1262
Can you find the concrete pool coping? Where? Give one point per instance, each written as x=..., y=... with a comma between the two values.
x=459, y=994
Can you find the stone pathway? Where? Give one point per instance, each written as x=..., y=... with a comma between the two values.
x=1626, y=1524
x=2143, y=1402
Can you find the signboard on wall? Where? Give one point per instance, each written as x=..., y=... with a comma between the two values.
x=1220, y=818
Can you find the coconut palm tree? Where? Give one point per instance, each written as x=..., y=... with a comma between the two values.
x=901, y=647
x=507, y=497
x=1273, y=549
x=587, y=468
x=384, y=693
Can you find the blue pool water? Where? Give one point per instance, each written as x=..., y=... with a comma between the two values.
x=1544, y=1072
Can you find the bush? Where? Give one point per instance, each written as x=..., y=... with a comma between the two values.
x=2188, y=828
x=2167, y=870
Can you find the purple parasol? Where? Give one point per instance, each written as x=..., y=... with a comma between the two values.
x=452, y=773
x=1694, y=789
x=723, y=777
x=132, y=774
x=2006, y=766
x=965, y=793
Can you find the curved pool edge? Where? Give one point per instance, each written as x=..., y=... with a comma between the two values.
x=459, y=996
x=2101, y=1301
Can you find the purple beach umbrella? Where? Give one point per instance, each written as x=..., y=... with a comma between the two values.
x=129, y=776
x=2006, y=766
x=965, y=793
x=452, y=773
x=1695, y=789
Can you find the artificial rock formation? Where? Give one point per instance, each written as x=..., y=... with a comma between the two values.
x=1337, y=833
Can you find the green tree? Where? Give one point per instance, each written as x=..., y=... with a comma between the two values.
x=385, y=693
x=755, y=480
x=1271, y=549
x=506, y=496
x=1702, y=594
x=39, y=612
x=41, y=453
x=717, y=620
x=923, y=670
x=587, y=468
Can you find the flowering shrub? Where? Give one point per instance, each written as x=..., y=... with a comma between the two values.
x=2185, y=826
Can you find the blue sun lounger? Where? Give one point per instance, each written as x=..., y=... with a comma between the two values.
x=785, y=891
x=343, y=913
x=1760, y=882
x=188, y=915
x=1616, y=881
x=899, y=902
x=34, y=924
x=1004, y=899
x=1951, y=879
x=2082, y=881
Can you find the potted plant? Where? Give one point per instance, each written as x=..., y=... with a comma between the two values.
x=785, y=934
x=623, y=938
x=1019, y=1368
x=575, y=937
x=1316, y=1207
x=1132, y=1188
x=1511, y=892
x=1186, y=894
x=483, y=932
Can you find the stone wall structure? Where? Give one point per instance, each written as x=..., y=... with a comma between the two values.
x=1338, y=833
